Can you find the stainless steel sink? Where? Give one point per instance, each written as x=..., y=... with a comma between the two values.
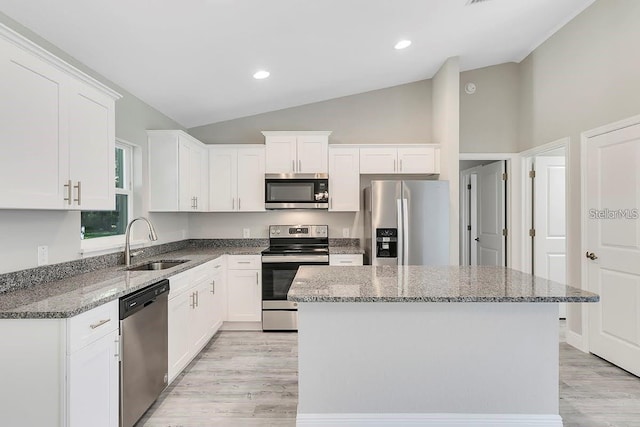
x=157, y=265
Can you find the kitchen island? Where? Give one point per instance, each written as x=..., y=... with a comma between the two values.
x=436, y=346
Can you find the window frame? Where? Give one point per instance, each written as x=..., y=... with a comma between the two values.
x=97, y=244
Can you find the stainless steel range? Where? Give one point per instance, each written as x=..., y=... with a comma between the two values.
x=290, y=246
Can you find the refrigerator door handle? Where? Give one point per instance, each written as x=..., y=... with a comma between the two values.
x=405, y=232
x=400, y=232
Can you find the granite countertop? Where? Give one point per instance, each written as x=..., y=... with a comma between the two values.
x=76, y=294
x=427, y=284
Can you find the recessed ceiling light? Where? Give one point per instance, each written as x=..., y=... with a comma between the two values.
x=262, y=74
x=402, y=44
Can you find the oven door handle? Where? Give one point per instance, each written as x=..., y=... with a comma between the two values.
x=290, y=259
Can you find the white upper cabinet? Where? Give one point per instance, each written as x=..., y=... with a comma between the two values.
x=236, y=178
x=378, y=160
x=344, y=179
x=92, y=148
x=59, y=125
x=178, y=172
x=296, y=152
x=400, y=159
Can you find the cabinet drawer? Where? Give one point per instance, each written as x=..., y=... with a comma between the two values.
x=91, y=325
x=345, y=259
x=201, y=272
x=179, y=283
x=244, y=262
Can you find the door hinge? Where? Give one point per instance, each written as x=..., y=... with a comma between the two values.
x=532, y=174
x=532, y=232
x=505, y=176
x=469, y=227
x=505, y=232
x=468, y=186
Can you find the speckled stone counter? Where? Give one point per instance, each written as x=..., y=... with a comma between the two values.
x=428, y=284
x=73, y=295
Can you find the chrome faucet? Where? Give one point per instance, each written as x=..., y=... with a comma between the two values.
x=127, y=247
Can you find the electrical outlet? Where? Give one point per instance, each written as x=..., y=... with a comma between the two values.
x=43, y=255
x=246, y=233
x=345, y=232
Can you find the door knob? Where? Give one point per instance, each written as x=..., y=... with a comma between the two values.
x=477, y=239
x=591, y=255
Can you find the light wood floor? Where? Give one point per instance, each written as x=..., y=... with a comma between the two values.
x=250, y=379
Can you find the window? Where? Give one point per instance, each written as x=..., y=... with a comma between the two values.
x=101, y=224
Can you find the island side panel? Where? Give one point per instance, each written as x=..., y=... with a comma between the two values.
x=464, y=358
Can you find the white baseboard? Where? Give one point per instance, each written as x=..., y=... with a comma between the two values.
x=241, y=326
x=575, y=340
x=440, y=420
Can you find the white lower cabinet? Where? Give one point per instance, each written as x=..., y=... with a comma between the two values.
x=61, y=372
x=345, y=259
x=194, y=313
x=94, y=383
x=244, y=288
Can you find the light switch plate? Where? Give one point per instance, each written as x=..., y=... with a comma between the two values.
x=246, y=233
x=43, y=255
x=345, y=232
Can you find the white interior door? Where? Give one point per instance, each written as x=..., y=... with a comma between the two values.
x=612, y=191
x=491, y=214
x=549, y=220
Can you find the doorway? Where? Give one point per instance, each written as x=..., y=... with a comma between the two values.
x=483, y=216
x=544, y=177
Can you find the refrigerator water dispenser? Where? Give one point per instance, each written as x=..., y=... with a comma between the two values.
x=386, y=242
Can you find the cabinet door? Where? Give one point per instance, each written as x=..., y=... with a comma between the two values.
x=94, y=384
x=378, y=160
x=244, y=298
x=185, y=198
x=218, y=289
x=222, y=179
x=312, y=154
x=281, y=154
x=179, y=309
x=33, y=127
x=344, y=179
x=91, y=149
x=416, y=160
x=250, y=179
x=201, y=322
x=197, y=177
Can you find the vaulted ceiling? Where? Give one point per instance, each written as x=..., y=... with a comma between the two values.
x=194, y=59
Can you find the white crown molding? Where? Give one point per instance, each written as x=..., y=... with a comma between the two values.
x=29, y=46
x=439, y=420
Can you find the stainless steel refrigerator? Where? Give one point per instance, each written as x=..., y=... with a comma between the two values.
x=407, y=223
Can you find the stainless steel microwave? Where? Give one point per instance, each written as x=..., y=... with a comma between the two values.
x=296, y=191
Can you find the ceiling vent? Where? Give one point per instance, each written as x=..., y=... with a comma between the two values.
x=471, y=2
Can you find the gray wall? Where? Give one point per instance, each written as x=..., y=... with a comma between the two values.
x=584, y=76
x=489, y=118
x=22, y=231
x=400, y=114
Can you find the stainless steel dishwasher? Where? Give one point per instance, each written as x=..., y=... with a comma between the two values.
x=144, y=362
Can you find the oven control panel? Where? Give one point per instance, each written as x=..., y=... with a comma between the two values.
x=298, y=231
